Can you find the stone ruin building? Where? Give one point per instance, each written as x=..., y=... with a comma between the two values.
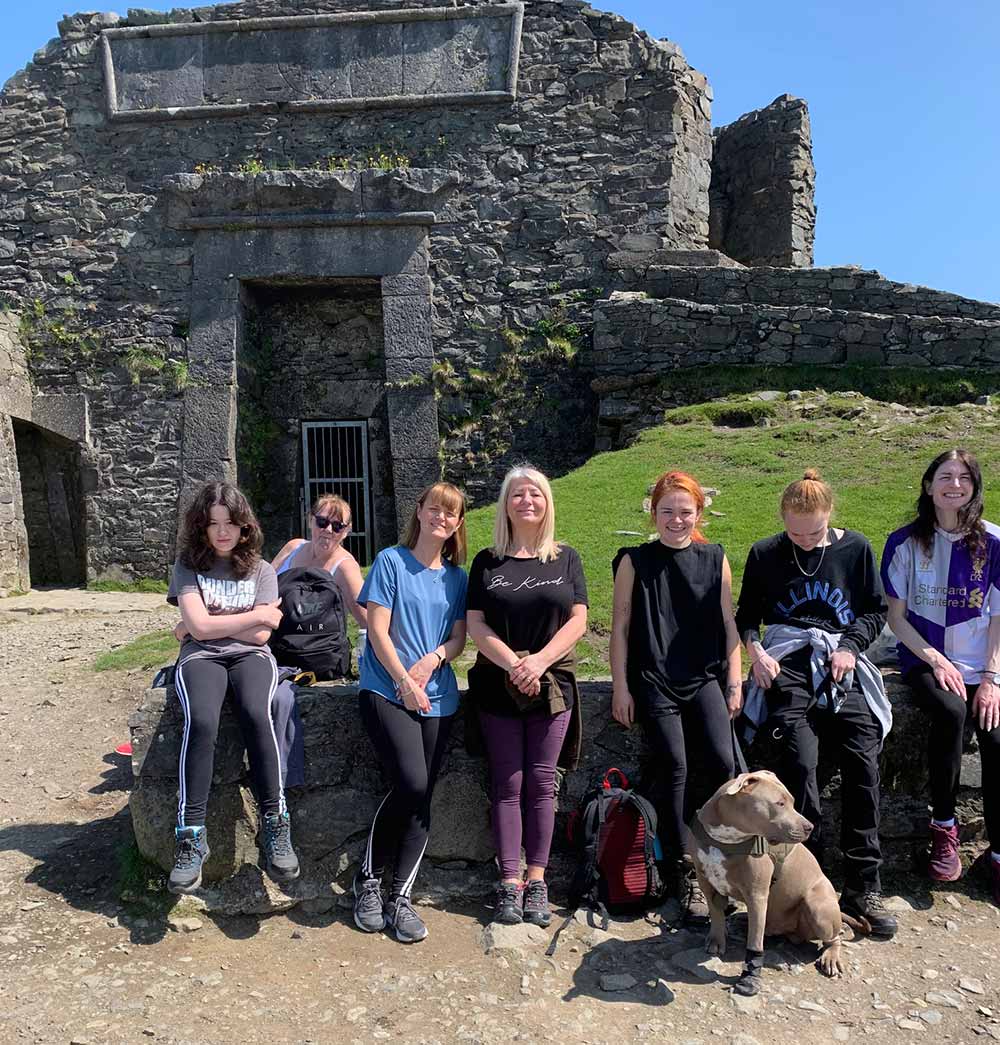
x=348, y=243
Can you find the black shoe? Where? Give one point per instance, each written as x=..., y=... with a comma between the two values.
x=509, y=906
x=280, y=861
x=190, y=853
x=871, y=907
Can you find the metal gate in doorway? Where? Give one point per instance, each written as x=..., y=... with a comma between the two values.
x=335, y=460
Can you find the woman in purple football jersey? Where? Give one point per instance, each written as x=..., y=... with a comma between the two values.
x=942, y=578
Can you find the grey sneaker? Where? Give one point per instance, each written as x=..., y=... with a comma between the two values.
x=280, y=861
x=536, y=903
x=190, y=852
x=508, y=908
x=405, y=922
x=369, y=913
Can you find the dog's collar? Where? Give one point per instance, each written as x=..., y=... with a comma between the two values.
x=753, y=845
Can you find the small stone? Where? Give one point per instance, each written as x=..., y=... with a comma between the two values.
x=511, y=939
x=296, y=935
x=897, y=904
x=951, y=926
x=929, y=974
x=904, y=1023
x=931, y=1017
x=971, y=986
x=952, y=1001
x=184, y=925
x=953, y=901
x=795, y=394
x=617, y=981
x=746, y=1003
x=812, y=1006
x=355, y=1014
x=841, y=1033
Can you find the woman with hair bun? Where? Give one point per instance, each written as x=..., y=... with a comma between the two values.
x=675, y=656
x=817, y=591
x=942, y=577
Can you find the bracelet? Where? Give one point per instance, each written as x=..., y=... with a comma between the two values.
x=442, y=659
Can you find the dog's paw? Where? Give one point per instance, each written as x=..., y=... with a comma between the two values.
x=715, y=944
x=830, y=964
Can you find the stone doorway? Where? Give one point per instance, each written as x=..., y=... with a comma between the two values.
x=310, y=352
x=54, y=510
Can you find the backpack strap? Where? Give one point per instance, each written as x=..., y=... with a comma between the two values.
x=648, y=813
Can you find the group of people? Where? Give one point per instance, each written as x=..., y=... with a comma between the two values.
x=677, y=649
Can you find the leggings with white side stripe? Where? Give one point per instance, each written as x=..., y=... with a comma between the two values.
x=411, y=748
x=202, y=684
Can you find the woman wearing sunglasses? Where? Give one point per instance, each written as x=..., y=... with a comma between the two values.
x=319, y=579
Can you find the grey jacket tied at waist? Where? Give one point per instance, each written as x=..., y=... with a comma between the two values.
x=782, y=639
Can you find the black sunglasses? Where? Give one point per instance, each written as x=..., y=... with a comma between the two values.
x=323, y=521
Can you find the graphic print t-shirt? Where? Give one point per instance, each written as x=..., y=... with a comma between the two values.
x=525, y=602
x=223, y=593
x=836, y=589
x=950, y=594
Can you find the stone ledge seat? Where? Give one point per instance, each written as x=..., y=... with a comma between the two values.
x=331, y=813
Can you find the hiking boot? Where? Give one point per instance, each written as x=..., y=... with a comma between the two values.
x=369, y=911
x=280, y=861
x=404, y=920
x=987, y=871
x=535, y=903
x=509, y=906
x=694, y=906
x=190, y=852
x=871, y=907
x=943, y=861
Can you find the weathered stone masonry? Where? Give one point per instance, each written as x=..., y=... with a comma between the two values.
x=196, y=207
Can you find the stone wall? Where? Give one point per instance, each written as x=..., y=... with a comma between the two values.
x=762, y=192
x=605, y=150
x=15, y=398
x=331, y=813
x=640, y=341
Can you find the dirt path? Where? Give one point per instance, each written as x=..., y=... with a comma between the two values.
x=78, y=967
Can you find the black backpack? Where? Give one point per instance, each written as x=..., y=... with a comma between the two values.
x=312, y=635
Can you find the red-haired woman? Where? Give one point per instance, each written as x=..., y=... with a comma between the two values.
x=675, y=655
x=228, y=598
x=818, y=593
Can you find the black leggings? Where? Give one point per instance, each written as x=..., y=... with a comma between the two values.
x=202, y=684
x=948, y=714
x=671, y=727
x=411, y=748
x=797, y=721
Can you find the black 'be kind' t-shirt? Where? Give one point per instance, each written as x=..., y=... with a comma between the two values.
x=525, y=602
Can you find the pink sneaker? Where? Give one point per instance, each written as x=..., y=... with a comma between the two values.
x=944, y=864
x=988, y=871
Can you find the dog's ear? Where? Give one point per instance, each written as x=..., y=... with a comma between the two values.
x=744, y=783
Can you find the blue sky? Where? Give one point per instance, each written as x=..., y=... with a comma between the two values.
x=905, y=104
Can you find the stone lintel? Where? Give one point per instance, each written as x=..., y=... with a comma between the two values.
x=351, y=61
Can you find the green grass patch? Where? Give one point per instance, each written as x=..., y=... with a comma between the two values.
x=873, y=462
x=139, y=880
x=151, y=650
x=143, y=586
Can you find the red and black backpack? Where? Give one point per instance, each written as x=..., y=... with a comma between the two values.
x=614, y=831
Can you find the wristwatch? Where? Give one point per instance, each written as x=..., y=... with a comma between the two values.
x=991, y=676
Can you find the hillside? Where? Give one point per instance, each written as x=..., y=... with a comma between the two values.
x=748, y=447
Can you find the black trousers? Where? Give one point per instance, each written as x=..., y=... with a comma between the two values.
x=202, y=684
x=674, y=729
x=948, y=714
x=411, y=748
x=856, y=736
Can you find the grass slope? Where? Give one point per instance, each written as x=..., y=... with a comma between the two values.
x=871, y=453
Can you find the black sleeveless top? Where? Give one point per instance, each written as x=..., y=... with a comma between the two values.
x=677, y=635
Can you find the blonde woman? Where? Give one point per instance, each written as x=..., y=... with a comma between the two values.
x=527, y=611
x=415, y=597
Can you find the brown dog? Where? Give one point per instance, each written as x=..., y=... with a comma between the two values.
x=746, y=844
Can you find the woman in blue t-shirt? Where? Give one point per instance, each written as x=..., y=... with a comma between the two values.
x=415, y=597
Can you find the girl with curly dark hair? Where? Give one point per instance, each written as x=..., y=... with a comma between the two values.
x=228, y=598
x=942, y=577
